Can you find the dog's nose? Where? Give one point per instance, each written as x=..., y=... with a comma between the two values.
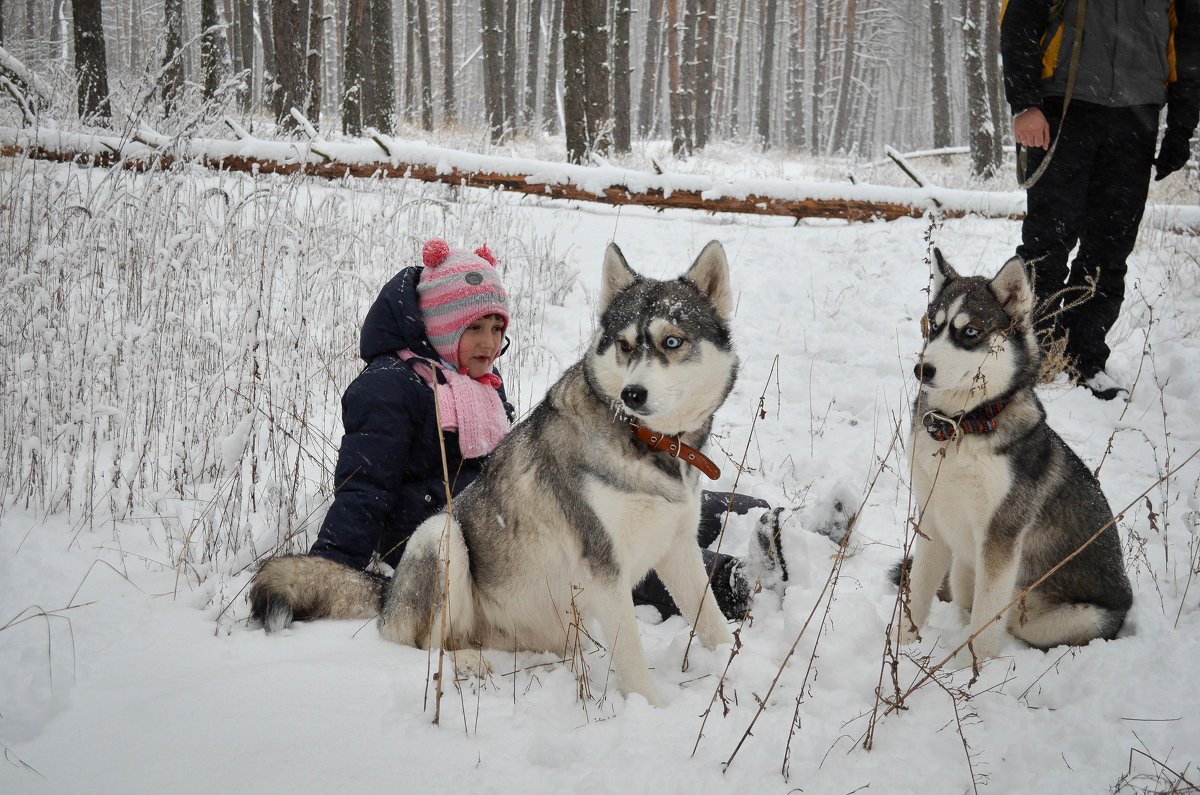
x=634, y=396
x=924, y=371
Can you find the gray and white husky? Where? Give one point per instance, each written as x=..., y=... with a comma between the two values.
x=596, y=487
x=1003, y=499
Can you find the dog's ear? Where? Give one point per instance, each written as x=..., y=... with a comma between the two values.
x=943, y=272
x=710, y=273
x=1011, y=287
x=617, y=274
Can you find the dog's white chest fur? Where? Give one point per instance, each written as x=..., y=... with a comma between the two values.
x=642, y=527
x=959, y=485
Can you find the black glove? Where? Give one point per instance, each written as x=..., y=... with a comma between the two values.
x=1173, y=153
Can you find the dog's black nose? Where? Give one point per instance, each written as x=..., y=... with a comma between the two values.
x=634, y=396
x=924, y=371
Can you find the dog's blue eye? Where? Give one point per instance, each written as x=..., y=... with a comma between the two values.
x=970, y=332
x=672, y=342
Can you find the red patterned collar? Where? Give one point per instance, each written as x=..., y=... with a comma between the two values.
x=981, y=420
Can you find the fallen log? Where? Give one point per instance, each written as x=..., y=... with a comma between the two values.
x=606, y=184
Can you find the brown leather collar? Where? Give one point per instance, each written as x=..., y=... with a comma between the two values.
x=672, y=445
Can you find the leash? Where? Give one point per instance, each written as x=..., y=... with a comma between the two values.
x=672, y=445
x=981, y=420
x=1022, y=152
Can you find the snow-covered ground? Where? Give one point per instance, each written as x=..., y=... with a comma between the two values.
x=174, y=349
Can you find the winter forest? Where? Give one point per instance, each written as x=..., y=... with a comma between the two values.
x=821, y=78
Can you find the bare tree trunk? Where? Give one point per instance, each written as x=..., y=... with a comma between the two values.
x=585, y=79
x=290, y=25
x=735, y=99
x=213, y=53
x=795, y=78
x=491, y=19
x=245, y=61
x=509, y=72
x=422, y=33
x=449, y=111
x=267, y=37
x=312, y=105
x=979, y=116
x=995, y=83
x=382, y=109
x=687, y=69
x=939, y=75
x=706, y=30
x=91, y=66
x=842, y=132
x=763, y=121
x=408, y=90
x=554, y=37
x=680, y=143
x=529, y=113
x=818, y=82
x=354, y=68
x=172, y=55
x=650, y=73
x=621, y=101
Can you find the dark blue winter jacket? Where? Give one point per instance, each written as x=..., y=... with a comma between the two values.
x=389, y=470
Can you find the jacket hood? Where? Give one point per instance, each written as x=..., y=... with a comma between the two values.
x=394, y=321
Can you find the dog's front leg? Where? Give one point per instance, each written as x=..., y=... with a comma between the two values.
x=682, y=571
x=611, y=603
x=995, y=581
x=931, y=561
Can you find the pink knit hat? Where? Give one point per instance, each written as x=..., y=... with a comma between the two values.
x=456, y=289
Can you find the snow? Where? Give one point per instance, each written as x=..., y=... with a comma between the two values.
x=129, y=665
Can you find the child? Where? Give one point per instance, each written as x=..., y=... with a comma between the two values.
x=445, y=322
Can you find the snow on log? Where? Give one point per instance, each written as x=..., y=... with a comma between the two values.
x=383, y=157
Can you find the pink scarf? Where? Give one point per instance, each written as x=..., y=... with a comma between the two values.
x=466, y=405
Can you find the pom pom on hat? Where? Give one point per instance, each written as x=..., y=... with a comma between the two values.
x=435, y=252
x=455, y=289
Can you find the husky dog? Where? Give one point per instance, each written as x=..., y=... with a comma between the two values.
x=1003, y=499
x=596, y=487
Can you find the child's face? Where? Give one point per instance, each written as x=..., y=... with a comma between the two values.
x=480, y=344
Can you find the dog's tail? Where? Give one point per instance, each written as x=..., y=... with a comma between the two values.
x=303, y=587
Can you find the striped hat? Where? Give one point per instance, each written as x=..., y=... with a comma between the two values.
x=456, y=289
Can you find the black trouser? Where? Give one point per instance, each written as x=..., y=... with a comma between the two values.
x=732, y=602
x=1092, y=193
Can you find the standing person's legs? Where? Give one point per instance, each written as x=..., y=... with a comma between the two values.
x=1054, y=211
x=1116, y=202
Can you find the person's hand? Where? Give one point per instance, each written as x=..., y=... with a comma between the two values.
x=1030, y=128
x=1173, y=152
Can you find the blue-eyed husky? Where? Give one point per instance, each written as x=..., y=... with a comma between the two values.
x=1003, y=499
x=597, y=486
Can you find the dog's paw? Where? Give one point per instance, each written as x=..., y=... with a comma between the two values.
x=471, y=664
x=906, y=633
x=987, y=645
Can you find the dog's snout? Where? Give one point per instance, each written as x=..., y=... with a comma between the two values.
x=634, y=396
x=924, y=371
